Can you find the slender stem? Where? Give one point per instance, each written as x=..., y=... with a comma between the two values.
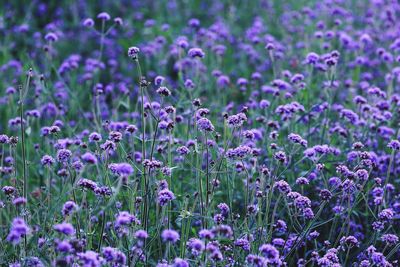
x=103, y=220
x=144, y=180
x=273, y=218
x=25, y=181
x=305, y=231
x=49, y=186
x=392, y=157
x=75, y=200
x=347, y=256
x=21, y=106
x=200, y=189
x=102, y=38
x=207, y=173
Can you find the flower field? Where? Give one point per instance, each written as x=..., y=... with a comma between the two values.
x=200, y=133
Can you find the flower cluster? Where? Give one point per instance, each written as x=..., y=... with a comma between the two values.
x=262, y=133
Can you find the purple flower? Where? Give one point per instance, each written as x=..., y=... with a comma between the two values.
x=183, y=150
x=33, y=262
x=103, y=191
x=243, y=243
x=223, y=231
x=64, y=246
x=178, y=262
x=87, y=184
x=4, y=139
x=118, y=21
x=379, y=259
x=133, y=52
x=47, y=160
x=166, y=171
x=18, y=230
x=169, y=235
x=63, y=155
x=125, y=218
x=255, y=260
x=206, y=234
x=165, y=196
x=308, y=213
x=65, y=228
x=141, y=234
x=224, y=208
x=8, y=190
x=218, y=218
x=390, y=239
x=109, y=146
x=280, y=156
x=51, y=37
x=121, y=169
x=239, y=152
x=19, y=201
x=104, y=16
x=95, y=137
x=89, y=158
x=164, y=91
x=394, y=144
x=196, y=246
x=152, y=164
x=386, y=215
x=283, y=187
x=88, y=22
x=302, y=181
x=237, y=120
x=90, y=259
x=194, y=23
x=77, y=165
x=115, y=136
x=113, y=256
x=302, y=202
x=350, y=241
x=270, y=253
x=68, y=208
x=196, y=52
x=159, y=80
x=325, y=194
x=297, y=139
x=205, y=124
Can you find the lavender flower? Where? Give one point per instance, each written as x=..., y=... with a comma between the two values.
x=104, y=16
x=63, y=155
x=68, y=208
x=165, y=196
x=133, y=52
x=205, y=124
x=18, y=230
x=196, y=52
x=394, y=144
x=65, y=228
x=195, y=246
x=47, y=160
x=170, y=235
x=87, y=184
x=89, y=158
x=237, y=120
x=270, y=253
x=90, y=258
x=121, y=169
x=88, y=22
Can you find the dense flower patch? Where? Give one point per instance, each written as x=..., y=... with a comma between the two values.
x=200, y=133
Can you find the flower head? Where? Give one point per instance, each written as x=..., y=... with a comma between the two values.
x=169, y=235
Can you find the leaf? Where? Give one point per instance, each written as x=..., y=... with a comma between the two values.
x=124, y=104
x=28, y=131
